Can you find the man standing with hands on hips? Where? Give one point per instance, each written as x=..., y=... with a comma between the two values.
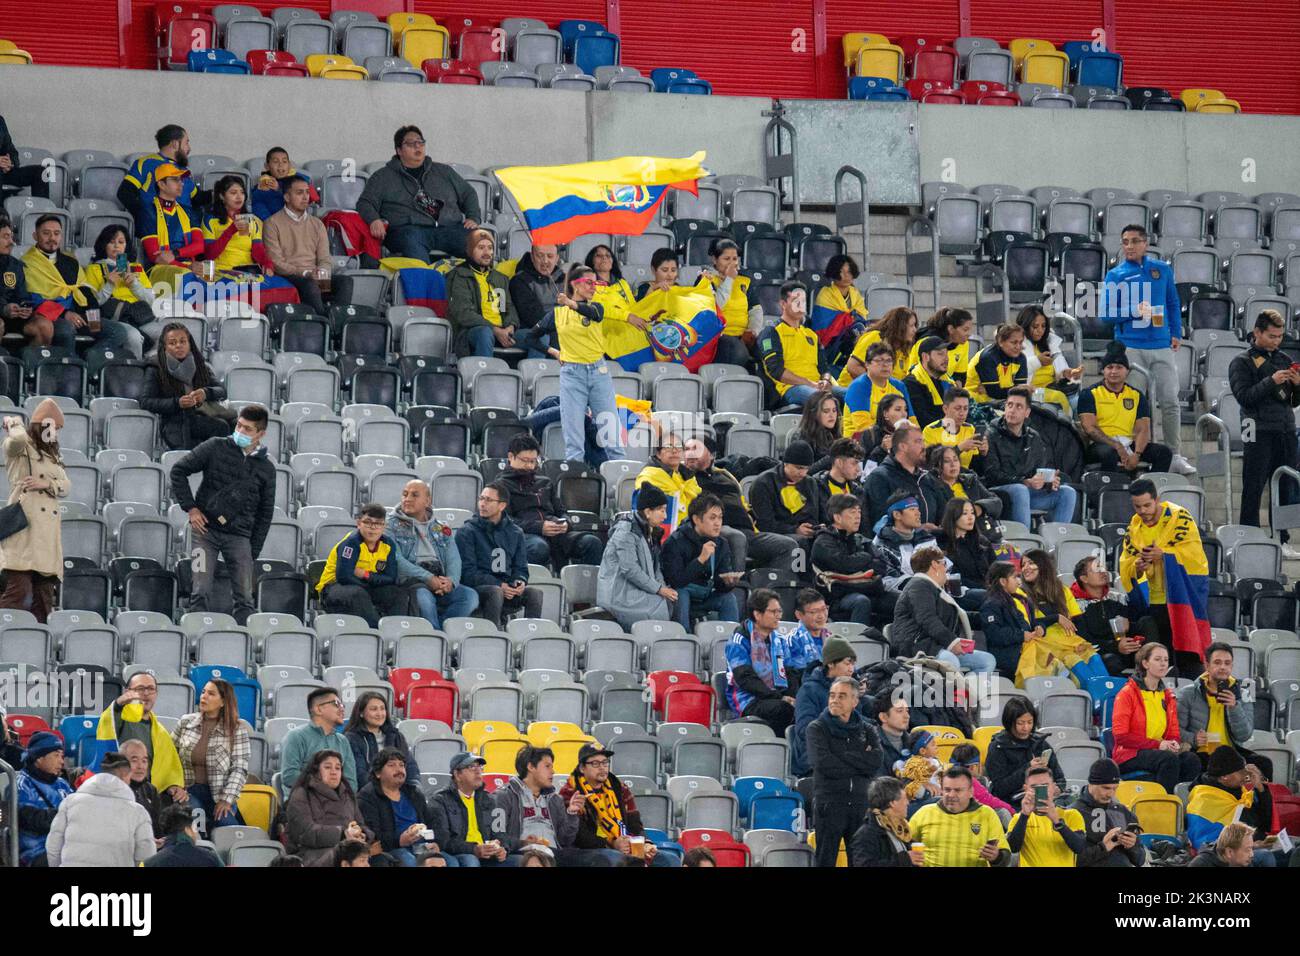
x=1140, y=299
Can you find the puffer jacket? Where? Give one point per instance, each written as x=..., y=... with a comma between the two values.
x=38, y=803
x=885, y=479
x=390, y=195
x=405, y=531
x=236, y=487
x=532, y=293
x=100, y=825
x=1194, y=713
x=317, y=817
x=480, y=542
x=844, y=755
x=534, y=498
x=888, y=549
x=465, y=302
x=631, y=574
x=451, y=822
x=1012, y=459
x=680, y=560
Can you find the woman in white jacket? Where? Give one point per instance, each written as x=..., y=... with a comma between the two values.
x=101, y=824
x=1046, y=364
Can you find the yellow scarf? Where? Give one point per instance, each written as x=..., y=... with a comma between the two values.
x=165, y=769
x=43, y=278
x=160, y=224
x=919, y=373
x=609, y=818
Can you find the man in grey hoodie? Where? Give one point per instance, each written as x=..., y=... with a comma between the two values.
x=101, y=824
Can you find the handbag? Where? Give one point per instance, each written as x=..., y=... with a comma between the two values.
x=12, y=517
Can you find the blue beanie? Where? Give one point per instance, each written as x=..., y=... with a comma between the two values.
x=41, y=743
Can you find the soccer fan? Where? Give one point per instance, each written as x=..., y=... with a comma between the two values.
x=1117, y=417
x=957, y=830
x=478, y=299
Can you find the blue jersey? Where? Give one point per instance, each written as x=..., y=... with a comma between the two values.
x=1127, y=286
x=768, y=657
x=804, y=648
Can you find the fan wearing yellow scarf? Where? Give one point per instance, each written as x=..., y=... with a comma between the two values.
x=174, y=240
x=609, y=817
x=131, y=717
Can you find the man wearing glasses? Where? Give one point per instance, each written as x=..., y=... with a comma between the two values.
x=361, y=572
x=131, y=717
x=536, y=507
x=494, y=558
x=325, y=708
x=415, y=205
x=609, y=819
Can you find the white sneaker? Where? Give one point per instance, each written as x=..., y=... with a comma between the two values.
x=1290, y=552
x=1181, y=466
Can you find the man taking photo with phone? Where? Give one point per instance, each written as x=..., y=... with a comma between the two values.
x=1042, y=833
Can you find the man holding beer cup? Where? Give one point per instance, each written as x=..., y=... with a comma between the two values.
x=609, y=819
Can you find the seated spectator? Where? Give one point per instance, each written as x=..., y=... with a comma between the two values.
x=968, y=756
x=214, y=749
x=101, y=824
x=14, y=176
x=955, y=327
x=698, y=565
x=900, y=471
x=167, y=234
x=666, y=473
x=921, y=770
x=757, y=685
x=538, y=857
x=791, y=353
x=839, y=311
x=1234, y=847
x=878, y=440
x=62, y=296
x=958, y=830
x=1016, y=749
x=969, y=551
x=536, y=507
x=180, y=842
x=784, y=499
x=139, y=188
x=11, y=750
x=892, y=718
x=122, y=287
x=146, y=794
x=41, y=788
x=945, y=482
x=838, y=660
x=805, y=642
x=1231, y=792
x=321, y=733
x=1144, y=722
x=843, y=477
x=1043, y=833
x=417, y=206
x=131, y=717
x=652, y=299
x=1057, y=612
x=465, y=817
x=15, y=301
x=896, y=330
x=371, y=730
x=844, y=560
x=1117, y=418
x=298, y=245
x=1045, y=363
x=1212, y=714
x=274, y=180
x=232, y=238
x=1006, y=616
x=478, y=299
x=999, y=367
x=741, y=319
x=1111, y=829
x=884, y=839
x=1021, y=466
x=535, y=813
x=899, y=536
x=699, y=857
x=844, y=755
x=534, y=289
x=819, y=426
x=322, y=810
x=361, y=572
x=183, y=393
x=927, y=381
x=396, y=812
x=428, y=558
x=928, y=620
x=738, y=525
x=631, y=584
x=494, y=561
x=954, y=430
x=862, y=398
x=1108, y=622
x=609, y=819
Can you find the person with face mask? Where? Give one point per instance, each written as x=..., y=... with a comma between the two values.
x=33, y=556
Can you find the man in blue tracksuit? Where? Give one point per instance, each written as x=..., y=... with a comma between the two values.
x=427, y=556
x=1140, y=299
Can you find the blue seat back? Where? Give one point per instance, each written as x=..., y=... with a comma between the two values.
x=747, y=789
x=74, y=730
x=572, y=30
x=692, y=85
x=861, y=87
x=664, y=75
x=594, y=50
x=1101, y=69
x=776, y=811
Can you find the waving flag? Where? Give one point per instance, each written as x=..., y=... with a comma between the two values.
x=1184, y=584
x=422, y=284
x=619, y=196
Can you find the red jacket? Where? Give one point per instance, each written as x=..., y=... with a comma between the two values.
x=355, y=232
x=1129, y=722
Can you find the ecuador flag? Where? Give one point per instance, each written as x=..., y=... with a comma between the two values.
x=619, y=196
x=1179, y=577
x=422, y=284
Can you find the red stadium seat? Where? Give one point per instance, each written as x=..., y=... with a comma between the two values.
x=661, y=681
x=974, y=89
x=452, y=71
x=938, y=63
x=689, y=704
x=720, y=843
x=180, y=28
x=930, y=91
x=492, y=782
x=476, y=42
x=275, y=63
x=24, y=725
x=404, y=678
x=913, y=45
x=998, y=98
x=435, y=699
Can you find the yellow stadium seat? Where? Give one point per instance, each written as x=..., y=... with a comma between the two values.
x=318, y=62
x=1046, y=66
x=853, y=42
x=566, y=752
x=1224, y=105
x=940, y=730
x=983, y=735
x=541, y=733
x=1159, y=814
x=399, y=23
x=1194, y=97
x=885, y=61
x=420, y=43
x=1130, y=790
x=1024, y=45
x=500, y=753
x=15, y=57
x=947, y=745
x=841, y=859
x=6, y=45
x=258, y=805
x=477, y=732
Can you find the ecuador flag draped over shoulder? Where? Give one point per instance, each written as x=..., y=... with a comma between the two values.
x=618, y=196
x=422, y=284
x=684, y=327
x=1181, y=579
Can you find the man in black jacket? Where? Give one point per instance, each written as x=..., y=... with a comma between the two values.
x=843, y=559
x=609, y=818
x=901, y=471
x=1264, y=383
x=768, y=549
x=464, y=817
x=396, y=812
x=537, y=282
x=785, y=501
x=928, y=380
x=1019, y=462
x=698, y=565
x=535, y=506
x=928, y=620
x=180, y=846
x=843, y=477
x=1107, y=822
x=231, y=515
x=845, y=754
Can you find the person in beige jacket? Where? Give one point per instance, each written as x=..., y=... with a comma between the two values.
x=33, y=557
x=298, y=245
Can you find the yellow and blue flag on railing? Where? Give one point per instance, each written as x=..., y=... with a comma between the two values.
x=422, y=284
x=618, y=196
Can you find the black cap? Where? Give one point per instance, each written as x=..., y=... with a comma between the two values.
x=1104, y=771
x=930, y=343
x=798, y=453
x=593, y=750
x=462, y=760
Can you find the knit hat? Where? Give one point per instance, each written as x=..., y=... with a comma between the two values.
x=41, y=743
x=920, y=740
x=1103, y=771
x=798, y=453
x=837, y=649
x=930, y=343
x=1223, y=761
x=114, y=761
x=648, y=496
x=1116, y=354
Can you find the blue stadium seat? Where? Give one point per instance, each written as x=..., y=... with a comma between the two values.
x=217, y=61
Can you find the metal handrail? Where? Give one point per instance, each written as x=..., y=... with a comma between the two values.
x=1074, y=330
x=777, y=164
x=854, y=212
x=1218, y=462
x=11, y=816
x=1280, y=516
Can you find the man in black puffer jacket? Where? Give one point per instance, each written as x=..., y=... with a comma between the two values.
x=537, y=282
x=535, y=506
x=231, y=514
x=451, y=808
x=845, y=754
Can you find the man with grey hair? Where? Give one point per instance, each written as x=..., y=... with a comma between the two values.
x=146, y=794
x=845, y=754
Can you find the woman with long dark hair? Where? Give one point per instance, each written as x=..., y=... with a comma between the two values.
x=819, y=426
x=625, y=327
x=32, y=558
x=970, y=552
x=183, y=393
x=1006, y=615
x=1057, y=614
x=122, y=287
x=1045, y=361
x=233, y=237
x=731, y=294
x=954, y=326
x=370, y=729
x=322, y=811
x=214, y=750
x=878, y=440
x=896, y=329
x=944, y=480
